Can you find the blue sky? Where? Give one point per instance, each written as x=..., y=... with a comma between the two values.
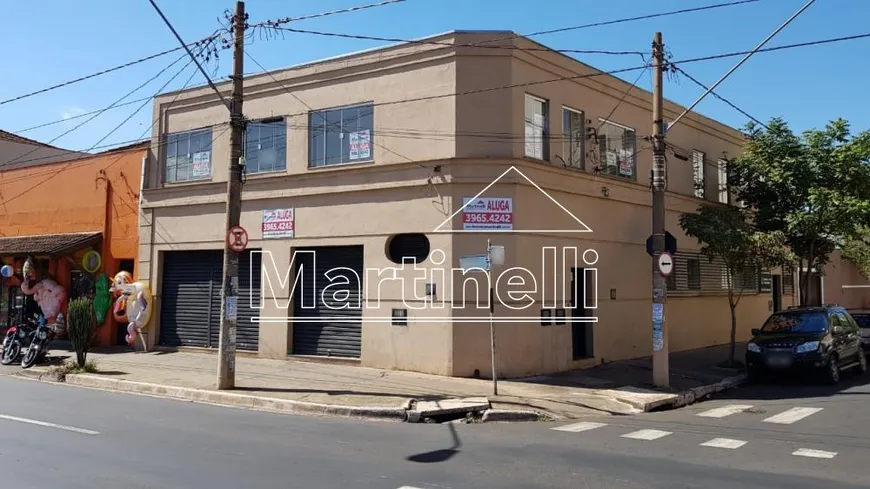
x=57, y=40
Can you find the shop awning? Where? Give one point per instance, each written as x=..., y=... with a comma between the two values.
x=47, y=244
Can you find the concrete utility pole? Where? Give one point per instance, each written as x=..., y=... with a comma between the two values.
x=661, y=374
x=230, y=286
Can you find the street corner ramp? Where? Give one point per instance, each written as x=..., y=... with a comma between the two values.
x=642, y=399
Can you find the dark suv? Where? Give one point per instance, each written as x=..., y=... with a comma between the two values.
x=862, y=317
x=823, y=340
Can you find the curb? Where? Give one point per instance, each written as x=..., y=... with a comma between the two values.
x=693, y=395
x=504, y=415
x=684, y=398
x=286, y=406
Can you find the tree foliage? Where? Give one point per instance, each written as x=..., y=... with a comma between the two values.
x=727, y=233
x=857, y=250
x=814, y=189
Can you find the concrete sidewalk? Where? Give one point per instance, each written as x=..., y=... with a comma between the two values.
x=301, y=386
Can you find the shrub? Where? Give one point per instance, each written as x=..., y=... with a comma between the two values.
x=81, y=326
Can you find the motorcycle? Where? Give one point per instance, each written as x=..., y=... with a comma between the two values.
x=38, y=347
x=17, y=337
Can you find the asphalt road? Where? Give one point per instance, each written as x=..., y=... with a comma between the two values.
x=92, y=439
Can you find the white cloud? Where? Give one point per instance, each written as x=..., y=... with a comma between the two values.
x=71, y=112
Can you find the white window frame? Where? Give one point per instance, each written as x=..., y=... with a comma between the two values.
x=699, y=173
x=274, y=122
x=602, y=157
x=724, y=191
x=567, y=139
x=320, y=115
x=208, y=133
x=532, y=140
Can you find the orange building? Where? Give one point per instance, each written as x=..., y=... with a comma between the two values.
x=56, y=213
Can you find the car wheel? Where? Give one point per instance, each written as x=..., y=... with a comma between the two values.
x=861, y=368
x=832, y=371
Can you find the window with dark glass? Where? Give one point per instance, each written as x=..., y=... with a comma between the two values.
x=616, y=147
x=574, y=134
x=266, y=146
x=342, y=135
x=188, y=156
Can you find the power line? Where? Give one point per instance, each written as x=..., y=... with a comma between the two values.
x=643, y=17
x=321, y=115
x=593, y=75
x=740, y=63
x=106, y=71
x=95, y=115
x=78, y=116
x=624, y=96
x=723, y=99
x=190, y=53
x=450, y=44
x=275, y=23
x=70, y=163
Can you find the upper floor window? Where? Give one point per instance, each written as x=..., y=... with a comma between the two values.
x=574, y=134
x=188, y=156
x=724, y=196
x=266, y=146
x=342, y=135
x=537, y=129
x=699, y=173
x=616, y=145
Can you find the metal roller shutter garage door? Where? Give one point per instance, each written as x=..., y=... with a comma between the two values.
x=190, y=299
x=330, y=332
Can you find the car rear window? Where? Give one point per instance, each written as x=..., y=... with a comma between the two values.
x=863, y=320
x=796, y=322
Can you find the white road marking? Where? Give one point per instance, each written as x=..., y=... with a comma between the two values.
x=578, y=427
x=409, y=487
x=49, y=425
x=724, y=443
x=792, y=415
x=721, y=412
x=647, y=435
x=807, y=452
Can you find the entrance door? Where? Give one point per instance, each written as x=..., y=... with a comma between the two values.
x=328, y=324
x=582, y=337
x=191, y=299
x=776, y=290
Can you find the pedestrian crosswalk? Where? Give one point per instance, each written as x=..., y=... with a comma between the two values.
x=786, y=417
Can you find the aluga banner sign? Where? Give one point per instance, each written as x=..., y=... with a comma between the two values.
x=488, y=213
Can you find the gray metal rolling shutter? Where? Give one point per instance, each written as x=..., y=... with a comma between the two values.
x=247, y=331
x=187, y=310
x=331, y=332
x=191, y=300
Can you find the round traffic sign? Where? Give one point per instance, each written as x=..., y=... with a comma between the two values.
x=666, y=264
x=237, y=239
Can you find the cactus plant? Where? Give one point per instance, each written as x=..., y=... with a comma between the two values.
x=102, y=300
x=81, y=326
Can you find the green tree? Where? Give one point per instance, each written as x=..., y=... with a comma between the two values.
x=857, y=250
x=813, y=188
x=726, y=232
x=81, y=327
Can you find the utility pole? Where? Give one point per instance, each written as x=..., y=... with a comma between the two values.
x=230, y=286
x=661, y=374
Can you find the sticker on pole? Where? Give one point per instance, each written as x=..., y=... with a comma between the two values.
x=231, y=310
x=237, y=239
x=666, y=264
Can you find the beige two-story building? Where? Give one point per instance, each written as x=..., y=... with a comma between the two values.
x=424, y=152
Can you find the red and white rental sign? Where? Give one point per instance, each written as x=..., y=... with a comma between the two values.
x=488, y=213
x=279, y=223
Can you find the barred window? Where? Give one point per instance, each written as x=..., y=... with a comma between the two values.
x=788, y=280
x=695, y=274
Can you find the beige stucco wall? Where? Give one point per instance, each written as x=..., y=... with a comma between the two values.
x=472, y=138
x=839, y=272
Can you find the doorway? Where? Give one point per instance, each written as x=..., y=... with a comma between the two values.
x=582, y=334
x=776, y=290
